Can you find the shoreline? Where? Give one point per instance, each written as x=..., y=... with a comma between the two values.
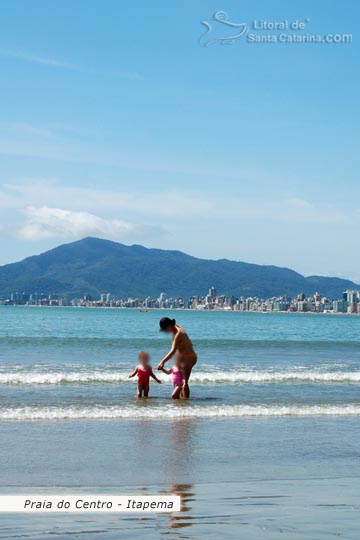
x=149, y=310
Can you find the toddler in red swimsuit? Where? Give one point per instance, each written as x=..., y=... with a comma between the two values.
x=144, y=372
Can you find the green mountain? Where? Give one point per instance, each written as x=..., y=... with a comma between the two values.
x=94, y=266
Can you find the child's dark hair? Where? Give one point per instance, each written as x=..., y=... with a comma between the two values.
x=165, y=322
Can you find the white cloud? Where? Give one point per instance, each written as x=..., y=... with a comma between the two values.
x=44, y=222
x=33, y=58
x=163, y=204
x=299, y=203
x=170, y=204
x=24, y=128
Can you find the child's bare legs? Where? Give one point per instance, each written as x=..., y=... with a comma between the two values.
x=142, y=389
x=176, y=393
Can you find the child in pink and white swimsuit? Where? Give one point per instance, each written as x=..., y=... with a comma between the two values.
x=177, y=379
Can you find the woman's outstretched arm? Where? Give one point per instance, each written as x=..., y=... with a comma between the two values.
x=169, y=355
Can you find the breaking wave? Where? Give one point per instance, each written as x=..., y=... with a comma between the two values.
x=202, y=378
x=176, y=411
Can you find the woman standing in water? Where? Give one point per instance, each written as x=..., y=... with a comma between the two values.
x=183, y=347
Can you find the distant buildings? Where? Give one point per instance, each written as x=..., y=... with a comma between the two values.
x=351, y=301
x=212, y=301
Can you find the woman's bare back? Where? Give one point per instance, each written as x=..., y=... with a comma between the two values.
x=183, y=342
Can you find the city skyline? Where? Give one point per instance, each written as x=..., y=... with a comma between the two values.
x=240, y=151
x=348, y=303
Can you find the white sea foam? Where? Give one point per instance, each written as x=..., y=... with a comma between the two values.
x=39, y=378
x=175, y=411
x=229, y=377
x=198, y=377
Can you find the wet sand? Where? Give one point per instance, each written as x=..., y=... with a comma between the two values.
x=249, y=478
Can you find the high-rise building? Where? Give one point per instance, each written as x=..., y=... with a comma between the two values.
x=213, y=293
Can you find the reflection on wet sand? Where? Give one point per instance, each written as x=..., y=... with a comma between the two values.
x=176, y=462
x=178, y=459
x=182, y=435
x=181, y=450
x=184, y=519
x=172, y=446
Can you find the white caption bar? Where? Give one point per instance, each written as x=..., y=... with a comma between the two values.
x=88, y=503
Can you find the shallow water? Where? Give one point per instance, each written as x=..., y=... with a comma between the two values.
x=267, y=447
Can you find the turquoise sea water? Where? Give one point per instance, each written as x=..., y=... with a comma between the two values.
x=267, y=446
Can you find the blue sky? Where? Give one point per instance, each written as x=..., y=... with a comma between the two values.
x=116, y=122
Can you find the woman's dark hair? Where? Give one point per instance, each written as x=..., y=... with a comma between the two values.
x=165, y=322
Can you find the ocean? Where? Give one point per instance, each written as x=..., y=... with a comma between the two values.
x=267, y=447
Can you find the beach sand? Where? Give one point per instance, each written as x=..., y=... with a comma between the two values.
x=242, y=478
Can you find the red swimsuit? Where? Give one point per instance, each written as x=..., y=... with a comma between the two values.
x=144, y=376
